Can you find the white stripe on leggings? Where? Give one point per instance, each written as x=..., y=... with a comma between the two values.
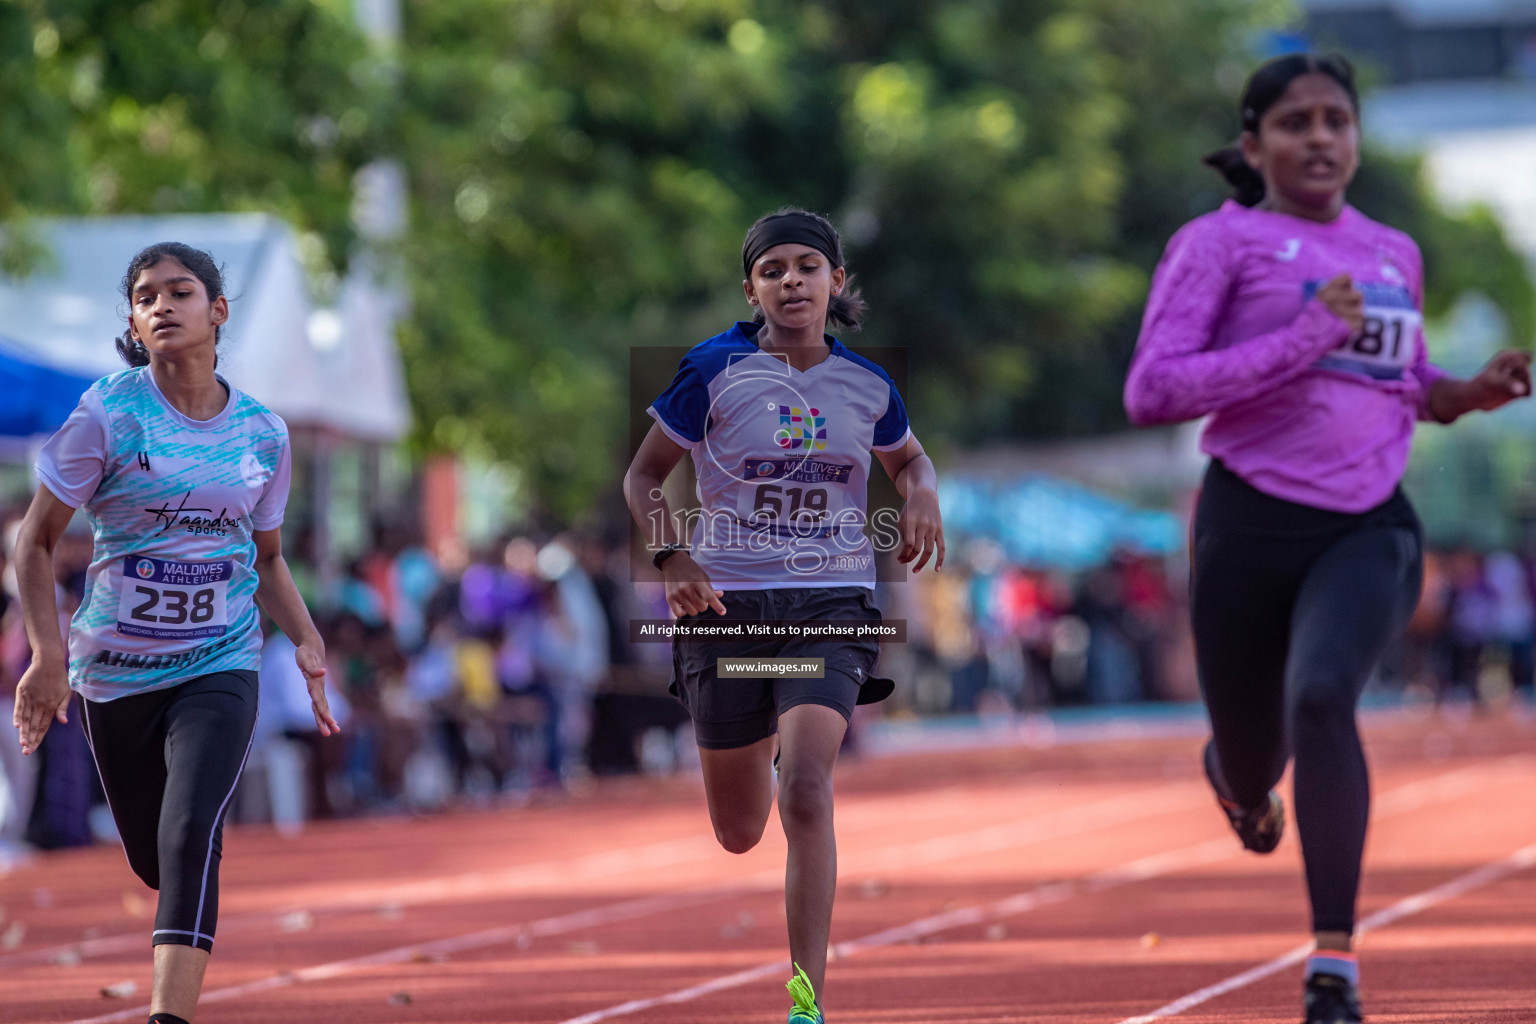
x=90, y=743
x=180, y=931
x=197, y=926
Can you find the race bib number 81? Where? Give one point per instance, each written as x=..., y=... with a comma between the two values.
x=172, y=600
x=1384, y=346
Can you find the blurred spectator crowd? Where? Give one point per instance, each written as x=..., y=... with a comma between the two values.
x=480, y=677
x=993, y=637
x=457, y=677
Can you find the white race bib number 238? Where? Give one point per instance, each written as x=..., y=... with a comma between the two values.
x=165, y=599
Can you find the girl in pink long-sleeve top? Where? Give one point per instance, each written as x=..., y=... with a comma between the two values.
x=1294, y=321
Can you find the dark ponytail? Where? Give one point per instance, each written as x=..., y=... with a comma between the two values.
x=1248, y=184
x=133, y=351
x=1265, y=86
x=199, y=263
x=845, y=309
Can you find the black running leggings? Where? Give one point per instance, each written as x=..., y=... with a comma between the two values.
x=1293, y=607
x=169, y=761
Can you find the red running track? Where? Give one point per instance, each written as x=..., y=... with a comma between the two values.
x=1090, y=882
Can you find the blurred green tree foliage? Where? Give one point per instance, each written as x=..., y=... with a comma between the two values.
x=170, y=106
x=1005, y=175
x=1005, y=172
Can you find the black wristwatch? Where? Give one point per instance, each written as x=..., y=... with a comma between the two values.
x=665, y=552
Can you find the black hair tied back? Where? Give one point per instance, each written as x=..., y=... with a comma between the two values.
x=201, y=266
x=1265, y=87
x=792, y=224
x=1247, y=183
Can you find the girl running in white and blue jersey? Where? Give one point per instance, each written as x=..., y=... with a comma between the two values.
x=780, y=420
x=184, y=481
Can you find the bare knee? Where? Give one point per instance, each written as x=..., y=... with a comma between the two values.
x=805, y=800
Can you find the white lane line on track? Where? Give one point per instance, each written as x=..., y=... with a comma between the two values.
x=578, y=921
x=1019, y=903
x=1406, y=907
x=441, y=948
x=1408, y=797
x=652, y=856
x=604, y=865
x=1147, y=803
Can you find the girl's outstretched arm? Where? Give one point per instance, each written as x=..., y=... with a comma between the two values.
x=1506, y=378
x=281, y=600
x=43, y=693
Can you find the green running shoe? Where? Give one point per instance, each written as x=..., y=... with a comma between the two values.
x=805, y=1010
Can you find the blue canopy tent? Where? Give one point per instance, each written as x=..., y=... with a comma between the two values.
x=1047, y=522
x=34, y=398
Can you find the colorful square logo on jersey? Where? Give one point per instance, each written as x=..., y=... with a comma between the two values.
x=801, y=429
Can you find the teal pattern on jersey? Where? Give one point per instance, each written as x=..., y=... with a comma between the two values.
x=170, y=593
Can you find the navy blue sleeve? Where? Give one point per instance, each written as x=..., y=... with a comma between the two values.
x=682, y=409
x=891, y=429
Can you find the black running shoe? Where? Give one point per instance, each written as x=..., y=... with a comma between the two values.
x=1331, y=999
x=1260, y=828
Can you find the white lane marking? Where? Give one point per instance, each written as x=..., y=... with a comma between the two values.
x=1442, y=787
x=605, y=865
x=1019, y=903
x=1401, y=800
x=578, y=921
x=1070, y=822
x=864, y=814
x=1406, y=907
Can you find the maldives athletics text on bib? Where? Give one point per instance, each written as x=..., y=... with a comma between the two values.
x=172, y=600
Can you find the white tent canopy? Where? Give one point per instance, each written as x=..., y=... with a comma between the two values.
x=349, y=380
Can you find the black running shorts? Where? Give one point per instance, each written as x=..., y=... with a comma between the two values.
x=739, y=711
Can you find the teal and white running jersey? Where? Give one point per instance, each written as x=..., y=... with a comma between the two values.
x=173, y=502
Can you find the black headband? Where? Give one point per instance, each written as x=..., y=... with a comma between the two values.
x=789, y=227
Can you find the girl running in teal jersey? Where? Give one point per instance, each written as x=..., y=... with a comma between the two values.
x=184, y=480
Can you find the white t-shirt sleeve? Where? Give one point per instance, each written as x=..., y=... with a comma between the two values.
x=268, y=513
x=74, y=460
